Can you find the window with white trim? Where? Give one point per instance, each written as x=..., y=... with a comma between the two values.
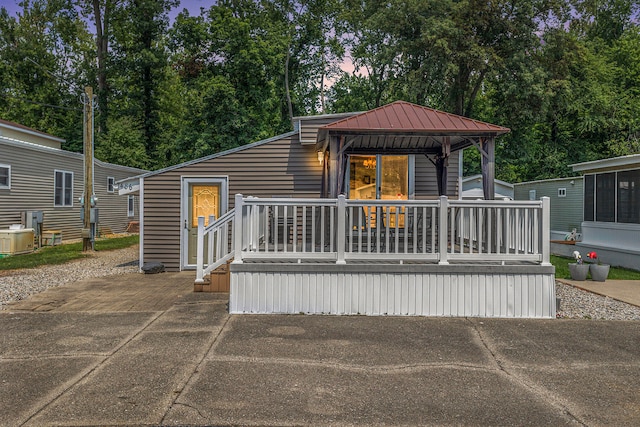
x=5, y=177
x=131, y=210
x=562, y=192
x=63, y=189
x=110, y=184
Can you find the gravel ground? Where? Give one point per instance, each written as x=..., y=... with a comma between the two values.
x=16, y=285
x=578, y=304
x=19, y=284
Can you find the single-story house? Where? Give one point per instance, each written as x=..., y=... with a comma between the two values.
x=354, y=213
x=37, y=175
x=565, y=196
x=611, y=206
x=473, y=188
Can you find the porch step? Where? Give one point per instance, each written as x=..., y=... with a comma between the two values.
x=217, y=281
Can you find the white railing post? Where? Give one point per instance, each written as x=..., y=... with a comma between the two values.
x=200, y=251
x=238, y=229
x=443, y=230
x=210, y=241
x=546, y=230
x=341, y=217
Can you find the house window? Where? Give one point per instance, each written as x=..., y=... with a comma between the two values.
x=562, y=192
x=131, y=207
x=110, y=184
x=532, y=194
x=63, y=188
x=606, y=197
x=629, y=196
x=589, y=197
x=5, y=177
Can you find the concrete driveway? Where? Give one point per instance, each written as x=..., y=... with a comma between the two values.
x=146, y=350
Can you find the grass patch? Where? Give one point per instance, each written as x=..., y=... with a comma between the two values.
x=615, y=273
x=64, y=253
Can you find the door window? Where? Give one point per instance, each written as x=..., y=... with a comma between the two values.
x=204, y=200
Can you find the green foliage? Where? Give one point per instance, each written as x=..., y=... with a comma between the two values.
x=124, y=144
x=563, y=75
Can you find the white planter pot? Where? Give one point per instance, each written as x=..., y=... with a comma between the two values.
x=599, y=272
x=578, y=271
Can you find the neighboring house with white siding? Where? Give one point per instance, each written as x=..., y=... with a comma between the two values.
x=565, y=196
x=37, y=175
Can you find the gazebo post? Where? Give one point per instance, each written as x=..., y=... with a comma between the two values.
x=488, y=168
x=334, y=165
x=444, y=168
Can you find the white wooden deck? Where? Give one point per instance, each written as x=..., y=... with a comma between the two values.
x=339, y=256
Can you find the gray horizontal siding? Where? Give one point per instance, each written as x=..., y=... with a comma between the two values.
x=308, y=126
x=275, y=169
x=32, y=188
x=426, y=184
x=565, y=212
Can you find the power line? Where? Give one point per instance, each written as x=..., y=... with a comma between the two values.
x=46, y=70
x=40, y=103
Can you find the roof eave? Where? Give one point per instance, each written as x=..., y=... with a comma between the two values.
x=417, y=132
x=630, y=160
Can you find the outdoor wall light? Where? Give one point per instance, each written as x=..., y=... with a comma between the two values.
x=320, y=156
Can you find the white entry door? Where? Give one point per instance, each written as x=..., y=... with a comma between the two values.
x=200, y=197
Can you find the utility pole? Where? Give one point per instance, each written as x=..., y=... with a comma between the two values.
x=87, y=243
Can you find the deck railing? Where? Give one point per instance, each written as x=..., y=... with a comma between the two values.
x=498, y=230
x=343, y=230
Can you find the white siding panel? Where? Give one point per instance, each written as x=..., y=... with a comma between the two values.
x=461, y=294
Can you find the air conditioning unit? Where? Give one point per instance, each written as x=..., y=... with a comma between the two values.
x=14, y=242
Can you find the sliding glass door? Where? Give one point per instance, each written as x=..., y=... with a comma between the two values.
x=391, y=172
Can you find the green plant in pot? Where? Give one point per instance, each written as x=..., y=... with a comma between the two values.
x=599, y=271
x=578, y=270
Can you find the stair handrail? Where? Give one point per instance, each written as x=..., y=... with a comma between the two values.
x=217, y=234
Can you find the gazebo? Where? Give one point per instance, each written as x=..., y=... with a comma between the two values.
x=404, y=128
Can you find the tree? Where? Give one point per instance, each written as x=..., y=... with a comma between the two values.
x=102, y=10
x=42, y=57
x=138, y=63
x=123, y=144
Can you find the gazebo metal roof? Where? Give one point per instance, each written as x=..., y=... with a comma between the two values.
x=408, y=128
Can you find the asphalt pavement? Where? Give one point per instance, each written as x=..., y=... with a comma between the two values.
x=146, y=350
